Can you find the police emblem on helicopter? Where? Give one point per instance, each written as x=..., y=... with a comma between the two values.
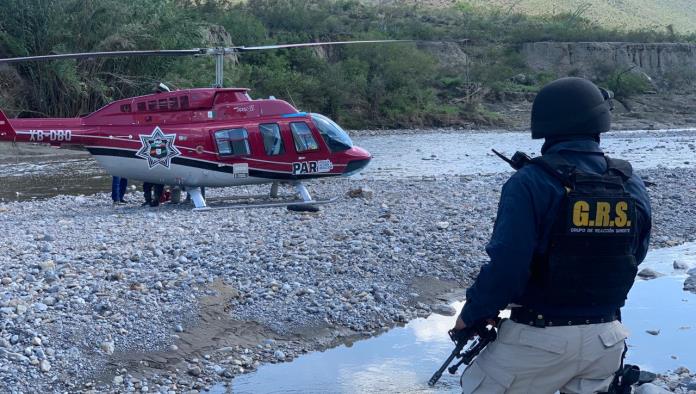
x=158, y=148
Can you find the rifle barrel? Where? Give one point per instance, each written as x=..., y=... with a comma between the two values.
x=438, y=374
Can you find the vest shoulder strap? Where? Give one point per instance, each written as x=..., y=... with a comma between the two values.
x=557, y=166
x=619, y=167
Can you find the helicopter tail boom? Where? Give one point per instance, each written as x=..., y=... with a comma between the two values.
x=7, y=132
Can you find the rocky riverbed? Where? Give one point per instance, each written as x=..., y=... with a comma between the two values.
x=129, y=298
x=681, y=381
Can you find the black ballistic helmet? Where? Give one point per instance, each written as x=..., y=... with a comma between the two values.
x=571, y=107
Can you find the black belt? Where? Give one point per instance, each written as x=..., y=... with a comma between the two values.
x=531, y=318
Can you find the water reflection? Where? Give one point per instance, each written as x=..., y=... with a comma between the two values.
x=403, y=359
x=400, y=360
x=661, y=304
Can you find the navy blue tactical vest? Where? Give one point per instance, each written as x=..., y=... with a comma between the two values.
x=590, y=258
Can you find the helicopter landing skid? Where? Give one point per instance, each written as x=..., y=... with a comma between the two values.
x=294, y=203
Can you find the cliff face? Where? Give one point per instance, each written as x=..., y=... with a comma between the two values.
x=588, y=58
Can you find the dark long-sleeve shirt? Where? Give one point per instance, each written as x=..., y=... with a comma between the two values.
x=528, y=206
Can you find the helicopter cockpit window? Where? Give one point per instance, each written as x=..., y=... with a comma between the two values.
x=334, y=136
x=272, y=142
x=233, y=142
x=302, y=135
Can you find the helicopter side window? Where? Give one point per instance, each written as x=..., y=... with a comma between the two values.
x=233, y=142
x=272, y=142
x=302, y=135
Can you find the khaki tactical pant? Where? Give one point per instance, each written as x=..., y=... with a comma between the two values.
x=524, y=359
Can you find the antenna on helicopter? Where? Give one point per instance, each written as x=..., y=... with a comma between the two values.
x=291, y=99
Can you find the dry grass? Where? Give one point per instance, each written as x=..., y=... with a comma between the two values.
x=624, y=14
x=627, y=14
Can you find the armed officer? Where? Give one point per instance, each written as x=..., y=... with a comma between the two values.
x=572, y=227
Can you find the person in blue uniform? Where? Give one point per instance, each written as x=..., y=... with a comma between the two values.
x=118, y=189
x=571, y=228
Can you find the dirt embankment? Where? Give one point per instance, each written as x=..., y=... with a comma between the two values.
x=669, y=69
x=658, y=60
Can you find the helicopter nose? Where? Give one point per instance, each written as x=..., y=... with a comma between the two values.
x=359, y=159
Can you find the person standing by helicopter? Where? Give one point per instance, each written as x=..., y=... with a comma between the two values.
x=118, y=189
x=572, y=227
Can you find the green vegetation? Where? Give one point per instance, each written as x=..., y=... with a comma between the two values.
x=359, y=86
x=626, y=84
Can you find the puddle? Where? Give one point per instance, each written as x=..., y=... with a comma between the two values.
x=400, y=360
x=403, y=359
x=395, y=156
x=661, y=304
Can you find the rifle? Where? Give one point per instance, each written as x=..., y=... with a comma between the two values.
x=460, y=339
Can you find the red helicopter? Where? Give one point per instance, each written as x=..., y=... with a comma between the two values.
x=207, y=137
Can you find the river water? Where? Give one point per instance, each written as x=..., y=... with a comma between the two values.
x=395, y=156
x=466, y=154
x=403, y=359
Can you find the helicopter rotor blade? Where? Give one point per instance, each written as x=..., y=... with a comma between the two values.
x=197, y=51
x=311, y=44
x=94, y=55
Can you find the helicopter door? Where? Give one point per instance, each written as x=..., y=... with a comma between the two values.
x=276, y=146
x=233, y=144
x=273, y=144
x=311, y=157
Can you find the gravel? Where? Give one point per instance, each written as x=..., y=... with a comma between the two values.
x=680, y=381
x=690, y=284
x=95, y=297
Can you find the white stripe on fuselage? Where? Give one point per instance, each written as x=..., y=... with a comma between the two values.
x=176, y=174
x=217, y=163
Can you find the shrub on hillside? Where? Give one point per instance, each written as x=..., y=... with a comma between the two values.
x=626, y=84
